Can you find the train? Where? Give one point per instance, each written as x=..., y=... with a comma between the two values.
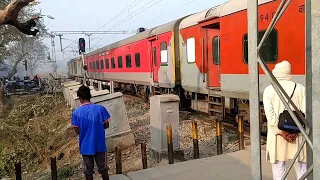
x=202, y=57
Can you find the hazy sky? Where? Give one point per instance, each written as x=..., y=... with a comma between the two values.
x=81, y=15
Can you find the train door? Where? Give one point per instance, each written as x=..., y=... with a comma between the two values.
x=213, y=56
x=154, y=56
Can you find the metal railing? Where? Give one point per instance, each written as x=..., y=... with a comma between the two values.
x=254, y=62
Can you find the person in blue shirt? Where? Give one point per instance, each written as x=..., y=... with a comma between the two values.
x=90, y=121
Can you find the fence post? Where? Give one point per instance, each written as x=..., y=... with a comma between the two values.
x=118, y=161
x=18, y=171
x=54, y=173
x=219, y=137
x=144, y=155
x=240, y=132
x=195, y=140
x=170, y=144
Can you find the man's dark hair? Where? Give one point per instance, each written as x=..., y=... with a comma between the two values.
x=84, y=93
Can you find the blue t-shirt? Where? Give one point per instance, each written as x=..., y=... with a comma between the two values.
x=89, y=118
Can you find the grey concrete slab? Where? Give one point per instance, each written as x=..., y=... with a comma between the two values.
x=225, y=167
x=119, y=177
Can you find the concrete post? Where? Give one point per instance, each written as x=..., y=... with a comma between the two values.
x=315, y=87
x=254, y=90
x=111, y=87
x=99, y=85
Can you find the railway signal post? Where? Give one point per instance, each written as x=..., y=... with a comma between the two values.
x=82, y=50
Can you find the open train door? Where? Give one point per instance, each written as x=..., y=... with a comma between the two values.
x=212, y=45
x=154, y=56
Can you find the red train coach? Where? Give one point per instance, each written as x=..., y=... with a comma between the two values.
x=215, y=52
x=147, y=59
x=204, y=54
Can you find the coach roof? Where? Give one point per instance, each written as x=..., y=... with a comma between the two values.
x=227, y=8
x=143, y=35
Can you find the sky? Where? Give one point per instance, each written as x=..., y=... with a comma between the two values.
x=113, y=15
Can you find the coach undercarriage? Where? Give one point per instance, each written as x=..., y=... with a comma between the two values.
x=228, y=109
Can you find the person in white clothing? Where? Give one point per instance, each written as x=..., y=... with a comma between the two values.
x=282, y=146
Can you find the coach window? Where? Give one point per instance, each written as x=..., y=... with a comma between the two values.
x=191, y=50
x=113, y=64
x=128, y=61
x=97, y=64
x=107, y=63
x=101, y=64
x=119, y=61
x=268, y=51
x=155, y=60
x=216, y=50
x=137, y=59
x=90, y=65
x=93, y=65
x=164, y=52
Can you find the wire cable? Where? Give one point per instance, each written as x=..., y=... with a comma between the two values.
x=115, y=17
x=120, y=13
x=166, y=13
x=128, y=18
x=125, y=20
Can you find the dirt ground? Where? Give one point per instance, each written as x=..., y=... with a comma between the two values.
x=63, y=142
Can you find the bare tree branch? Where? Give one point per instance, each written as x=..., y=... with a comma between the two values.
x=25, y=27
x=10, y=14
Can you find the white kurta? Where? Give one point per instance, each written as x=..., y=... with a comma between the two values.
x=278, y=149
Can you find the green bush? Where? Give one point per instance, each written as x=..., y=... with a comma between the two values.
x=65, y=172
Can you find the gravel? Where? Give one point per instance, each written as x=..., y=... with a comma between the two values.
x=139, y=118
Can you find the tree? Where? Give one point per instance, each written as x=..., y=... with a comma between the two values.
x=22, y=47
x=29, y=49
x=10, y=15
x=15, y=41
x=36, y=57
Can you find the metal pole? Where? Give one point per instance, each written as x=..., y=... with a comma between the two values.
x=54, y=174
x=89, y=41
x=118, y=161
x=170, y=144
x=273, y=22
x=294, y=159
x=85, y=71
x=241, y=132
x=218, y=136
x=60, y=37
x=18, y=171
x=195, y=140
x=309, y=81
x=52, y=50
x=144, y=155
x=54, y=55
x=315, y=48
x=308, y=173
x=254, y=90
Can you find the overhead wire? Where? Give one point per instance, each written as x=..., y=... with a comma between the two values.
x=120, y=13
x=132, y=16
x=115, y=17
x=166, y=13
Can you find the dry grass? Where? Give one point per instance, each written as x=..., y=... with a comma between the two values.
x=33, y=124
